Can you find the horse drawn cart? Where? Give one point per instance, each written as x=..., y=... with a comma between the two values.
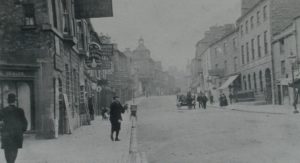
x=186, y=100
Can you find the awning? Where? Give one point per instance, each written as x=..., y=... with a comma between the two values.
x=228, y=81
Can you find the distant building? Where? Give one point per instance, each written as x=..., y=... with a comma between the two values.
x=119, y=80
x=202, y=63
x=224, y=59
x=144, y=66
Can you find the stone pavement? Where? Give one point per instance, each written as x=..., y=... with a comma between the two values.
x=88, y=144
x=268, y=109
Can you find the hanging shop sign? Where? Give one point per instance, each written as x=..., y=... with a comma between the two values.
x=100, y=57
x=93, y=8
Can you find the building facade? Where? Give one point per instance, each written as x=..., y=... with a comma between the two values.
x=256, y=28
x=42, y=51
x=286, y=48
x=224, y=58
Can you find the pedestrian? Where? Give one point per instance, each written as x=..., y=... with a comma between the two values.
x=230, y=98
x=199, y=100
x=211, y=99
x=14, y=125
x=204, y=101
x=115, y=118
x=91, y=108
x=223, y=100
x=104, y=113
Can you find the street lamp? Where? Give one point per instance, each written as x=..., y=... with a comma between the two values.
x=293, y=61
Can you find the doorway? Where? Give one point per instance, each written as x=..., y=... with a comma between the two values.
x=279, y=95
x=25, y=99
x=268, y=93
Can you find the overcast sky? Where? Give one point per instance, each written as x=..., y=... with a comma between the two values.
x=170, y=28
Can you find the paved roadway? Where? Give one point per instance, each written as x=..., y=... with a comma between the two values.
x=215, y=135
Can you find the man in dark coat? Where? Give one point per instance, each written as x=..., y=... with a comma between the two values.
x=14, y=125
x=204, y=101
x=91, y=107
x=115, y=118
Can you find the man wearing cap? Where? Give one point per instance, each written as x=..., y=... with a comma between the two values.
x=14, y=125
x=115, y=117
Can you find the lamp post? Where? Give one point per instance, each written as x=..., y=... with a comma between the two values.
x=292, y=59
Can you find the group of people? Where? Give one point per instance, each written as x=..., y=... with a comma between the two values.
x=202, y=100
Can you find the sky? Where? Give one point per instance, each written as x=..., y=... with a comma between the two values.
x=170, y=28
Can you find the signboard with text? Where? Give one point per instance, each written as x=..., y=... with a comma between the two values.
x=100, y=57
x=93, y=8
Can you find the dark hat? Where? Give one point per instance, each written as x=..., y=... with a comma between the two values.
x=11, y=98
x=115, y=97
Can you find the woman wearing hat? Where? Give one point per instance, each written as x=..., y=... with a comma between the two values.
x=14, y=125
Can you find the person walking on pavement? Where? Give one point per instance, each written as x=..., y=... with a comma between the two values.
x=223, y=100
x=230, y=98
x=199, y=100
x=91, y=108
x=204, y=101
x=14, y=125
x=211, y=99
x=115, y=118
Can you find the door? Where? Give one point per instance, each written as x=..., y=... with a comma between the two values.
x=279, y=95
x=24, y=93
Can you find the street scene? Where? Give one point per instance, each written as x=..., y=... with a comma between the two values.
x=139, y=81
x=237, y=134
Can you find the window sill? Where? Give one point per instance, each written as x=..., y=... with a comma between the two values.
x=28, y=27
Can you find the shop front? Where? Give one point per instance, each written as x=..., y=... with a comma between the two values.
x=19, y=81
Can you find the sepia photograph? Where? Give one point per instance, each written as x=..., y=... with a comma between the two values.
x=149, y=81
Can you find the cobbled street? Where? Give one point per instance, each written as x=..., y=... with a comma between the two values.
x=215, y=135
